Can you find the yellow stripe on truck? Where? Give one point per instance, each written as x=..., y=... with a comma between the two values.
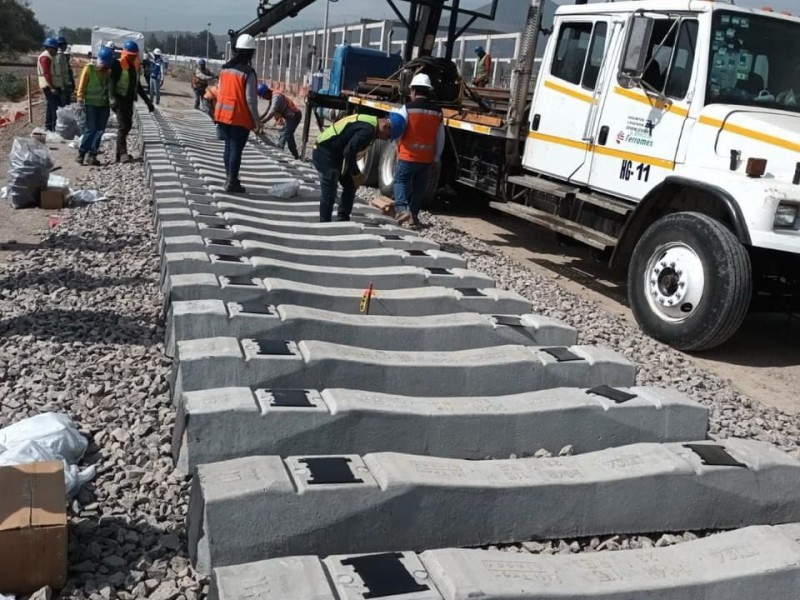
x=751, y=133
x=569, y=92
x=603, y=150
x=651, y=102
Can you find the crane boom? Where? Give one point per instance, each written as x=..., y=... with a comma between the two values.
x=269, y=15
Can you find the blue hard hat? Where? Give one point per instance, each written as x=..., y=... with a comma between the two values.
x=105, y=56
x=262, y=90
x=479, y=49
x=50, y=43
x=131, y=46
x=398, y=123
x=62, y=40
x=202, y=62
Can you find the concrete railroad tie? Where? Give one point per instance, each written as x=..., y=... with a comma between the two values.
x=386, y=501
x=338, y=243
x=369, y=225
x=183, y=263
x=212, y=318
x=254, y=207
x=755, y=562
x=222, y=424
x=498, y=370
x=368, y=258
x=411, y=302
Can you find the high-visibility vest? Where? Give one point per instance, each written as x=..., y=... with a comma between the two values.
x=123, y=85
x=418, y=144
x=483, y=66
x=232, y=107
x=41, y=73
x=96, y=93
x=341, y=124
x=60, y=67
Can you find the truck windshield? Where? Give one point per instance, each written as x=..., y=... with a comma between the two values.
x=754, y=61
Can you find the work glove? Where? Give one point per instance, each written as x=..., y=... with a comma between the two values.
x=114, y=104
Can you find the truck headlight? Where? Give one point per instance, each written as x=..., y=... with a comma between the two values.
x=785, y=216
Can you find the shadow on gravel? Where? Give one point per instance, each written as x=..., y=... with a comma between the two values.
x=66, y=326
x=67, y=278
x=121, y=554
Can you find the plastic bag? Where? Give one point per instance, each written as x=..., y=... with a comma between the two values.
x=54, y=431
x=285, y=190
x=29, y=167
x=56, y=181
x=67, y=125
x=47, y=437
x=78, y=197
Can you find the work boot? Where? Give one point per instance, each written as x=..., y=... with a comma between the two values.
x=79, y=159
x=234, y=187
x=125, y=158
x=404, y=217
x=93, y=162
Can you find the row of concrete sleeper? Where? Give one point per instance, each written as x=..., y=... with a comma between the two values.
x=348, y=396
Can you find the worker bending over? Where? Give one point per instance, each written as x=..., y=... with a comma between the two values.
x=419, y=147
x=237, y=108
x=125, y=86
x=335, y=157
x=93, y=96
x=200, y=80
x=282, y=106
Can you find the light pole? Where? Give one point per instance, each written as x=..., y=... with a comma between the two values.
x=326, y=36
x=208, y=38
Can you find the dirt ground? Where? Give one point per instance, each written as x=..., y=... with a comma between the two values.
x=762, y=361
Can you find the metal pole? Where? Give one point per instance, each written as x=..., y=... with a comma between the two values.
x=30, y=100
x=208, y=38
x=325, y=37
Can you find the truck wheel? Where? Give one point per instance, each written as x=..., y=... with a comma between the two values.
x=689, y=282
x=386, y=170
x=368, y=165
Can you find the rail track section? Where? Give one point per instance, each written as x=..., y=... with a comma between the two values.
x=348, y=397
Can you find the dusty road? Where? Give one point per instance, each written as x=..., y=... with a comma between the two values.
x=762, y=360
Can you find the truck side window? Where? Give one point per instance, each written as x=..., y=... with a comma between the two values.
x=680, y=70
x=597, y=51
x=571, y=51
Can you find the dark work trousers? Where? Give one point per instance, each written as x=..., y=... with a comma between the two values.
x=53, y=99
x=96, y=121
x=287, y=133
x=330, y=176
x=235, y=139
x=410, y=184
x=124, y=114
x=199, y=99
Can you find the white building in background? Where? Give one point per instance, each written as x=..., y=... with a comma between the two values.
x=290, y=57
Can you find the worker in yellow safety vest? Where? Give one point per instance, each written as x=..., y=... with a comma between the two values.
x=50, y=81
x=93, y=96
x=483, y=68
x=125, y=85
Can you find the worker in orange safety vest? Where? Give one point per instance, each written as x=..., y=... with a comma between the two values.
x=236, y=112
x=420, y=146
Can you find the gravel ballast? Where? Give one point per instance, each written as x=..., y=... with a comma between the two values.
x=82, y=334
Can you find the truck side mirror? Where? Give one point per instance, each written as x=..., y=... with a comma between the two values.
x=634, y=56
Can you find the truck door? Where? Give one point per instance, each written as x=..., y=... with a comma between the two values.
x=566, y=99
x=639, y=130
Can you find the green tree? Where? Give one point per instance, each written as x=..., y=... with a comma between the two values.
x=80, y=35
x=20, y=31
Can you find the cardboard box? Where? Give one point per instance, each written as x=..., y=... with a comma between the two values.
x=33, y=527
x=53, y=198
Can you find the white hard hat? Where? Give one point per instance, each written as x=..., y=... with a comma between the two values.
x=421, y=80
x=157, y=52
x=245, y=42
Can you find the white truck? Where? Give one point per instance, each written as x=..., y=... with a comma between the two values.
x=665, y=134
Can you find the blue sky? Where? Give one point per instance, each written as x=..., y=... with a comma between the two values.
x=193, y=15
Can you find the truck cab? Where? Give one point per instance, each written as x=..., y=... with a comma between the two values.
x=666, y=134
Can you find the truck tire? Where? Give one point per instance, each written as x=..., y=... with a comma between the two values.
x=386, y=170
x=386, y=176
x=368, y=165
x=689, y=281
